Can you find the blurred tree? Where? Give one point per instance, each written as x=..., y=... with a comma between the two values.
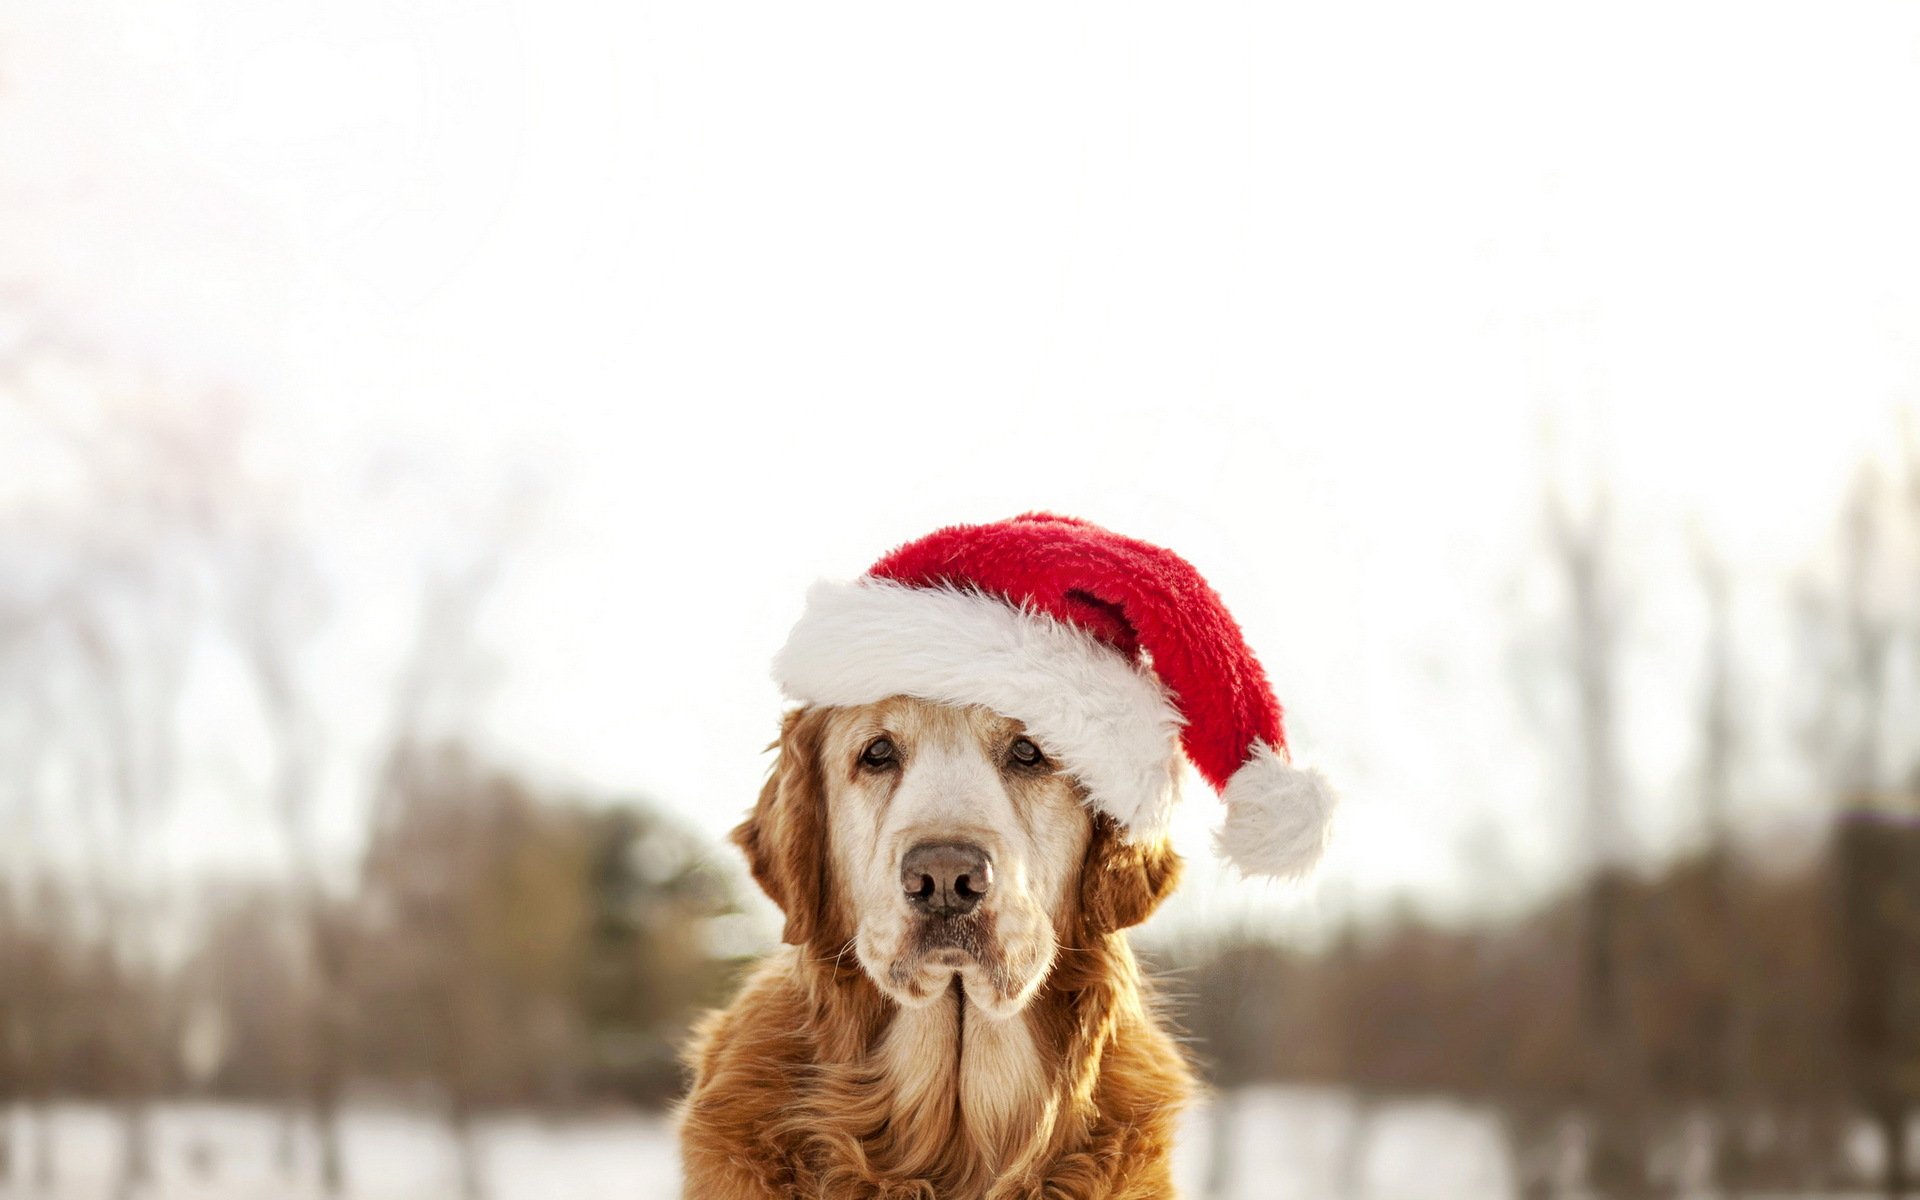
x=1730, y=1025
x=648, y=965
x=1856, y=632
x=475, y=899
x=274, y=606
x=131, y=623
x=1615, y=1099
x=12, y=1028
x=1491, y=1011
x=119, y=604
x=247, y=972
x=500, y=942
x=516, y=946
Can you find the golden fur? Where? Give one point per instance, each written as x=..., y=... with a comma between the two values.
x=818, y=1081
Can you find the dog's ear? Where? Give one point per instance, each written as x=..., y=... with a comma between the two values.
x=785, y=836
x=1122, y=882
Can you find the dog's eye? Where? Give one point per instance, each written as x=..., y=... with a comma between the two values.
x=1026, y=754
x=879, y=754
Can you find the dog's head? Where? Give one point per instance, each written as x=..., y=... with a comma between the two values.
x=937, y=842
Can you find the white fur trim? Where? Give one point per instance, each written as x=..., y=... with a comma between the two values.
x=1278, y=816
x=1109, y=723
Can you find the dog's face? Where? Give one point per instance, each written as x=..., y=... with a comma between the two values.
x=956, y=837
x=937, y=842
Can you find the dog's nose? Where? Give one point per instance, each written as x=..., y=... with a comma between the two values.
x=946, y=879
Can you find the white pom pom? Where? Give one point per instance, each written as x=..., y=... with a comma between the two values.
x=1278, y=816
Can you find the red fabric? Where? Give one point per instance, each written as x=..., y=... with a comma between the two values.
x=1133, y=596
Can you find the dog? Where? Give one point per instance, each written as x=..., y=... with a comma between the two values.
x=968, y=810
x=956, y=1012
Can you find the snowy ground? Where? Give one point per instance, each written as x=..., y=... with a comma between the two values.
x=1286, y=1143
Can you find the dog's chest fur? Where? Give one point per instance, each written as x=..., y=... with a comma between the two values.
x=949, y=1066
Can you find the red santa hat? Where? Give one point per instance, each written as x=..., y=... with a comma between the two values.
x=1111, y=651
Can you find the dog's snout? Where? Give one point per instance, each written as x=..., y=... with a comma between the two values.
x=946, y=878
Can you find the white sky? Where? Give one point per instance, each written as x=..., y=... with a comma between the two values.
x=748, y=293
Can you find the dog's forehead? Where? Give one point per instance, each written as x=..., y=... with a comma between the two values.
x=913, y=722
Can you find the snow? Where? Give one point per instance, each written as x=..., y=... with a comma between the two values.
x=390, y=1155
x=1303, y=1143
x=1286, y=1143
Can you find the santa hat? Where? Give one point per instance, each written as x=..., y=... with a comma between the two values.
x=1111, y=651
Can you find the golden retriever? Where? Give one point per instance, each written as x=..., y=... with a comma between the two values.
x=957, y=1013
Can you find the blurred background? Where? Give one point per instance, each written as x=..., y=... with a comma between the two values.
x=419, y=421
